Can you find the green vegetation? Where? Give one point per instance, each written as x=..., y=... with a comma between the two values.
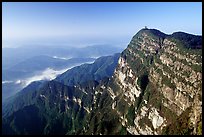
x=143, y=82
x=188, y=40
x=131, y=115
x=167, y=81
x=50, y=114
x=196, y=68
x=153, y=96
x=200, y=128
x=145, y=121
x=181, y=126
x=101, y=68
x=123, y=131
x=166, y=112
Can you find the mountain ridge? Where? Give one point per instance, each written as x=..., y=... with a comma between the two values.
x=157, y=84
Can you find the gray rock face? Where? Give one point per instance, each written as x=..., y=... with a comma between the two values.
x=172, y=84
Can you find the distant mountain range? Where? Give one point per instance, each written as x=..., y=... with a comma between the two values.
x=35, y=64
x=25, y=64
x=33, y=68
x=13, y=56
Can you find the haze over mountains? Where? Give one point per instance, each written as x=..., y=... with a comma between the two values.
x=152, y=87
x=23, y=65
x=13, y=56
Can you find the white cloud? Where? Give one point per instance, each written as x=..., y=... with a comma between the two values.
x=18, y=82
x=95, y=57
x=5, y=82
x=56, y=57
x=47, y=74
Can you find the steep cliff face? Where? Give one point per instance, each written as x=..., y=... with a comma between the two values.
x=156, y=88
x=157, y=83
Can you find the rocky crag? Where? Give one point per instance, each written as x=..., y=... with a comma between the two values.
x=156, y=88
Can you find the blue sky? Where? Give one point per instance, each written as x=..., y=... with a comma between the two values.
x=84, y=23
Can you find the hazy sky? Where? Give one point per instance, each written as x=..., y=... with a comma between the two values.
x=94, y=23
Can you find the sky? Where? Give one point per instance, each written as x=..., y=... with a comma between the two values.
x=86, y=23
